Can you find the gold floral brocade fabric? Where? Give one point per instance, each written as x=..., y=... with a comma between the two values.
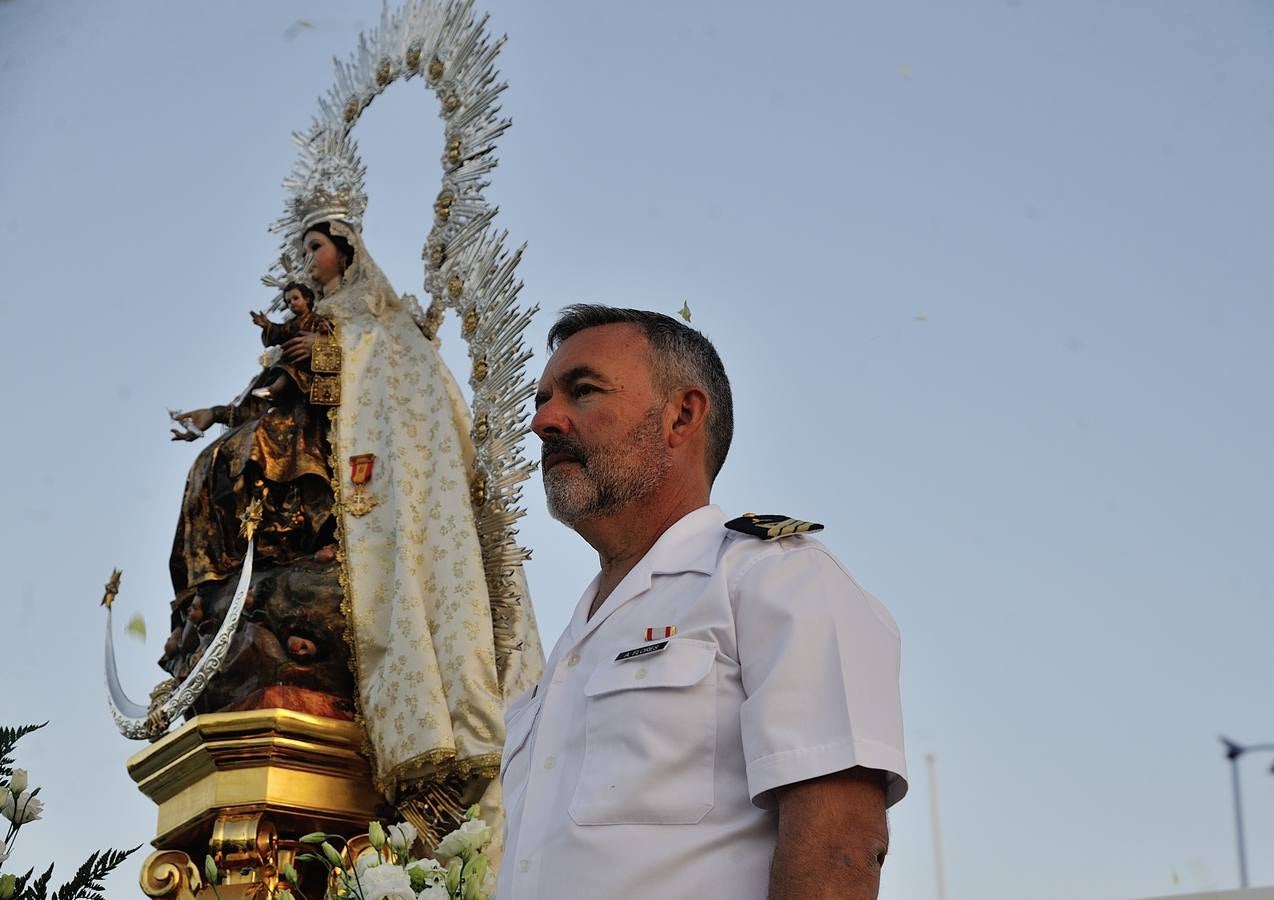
x=415, y=588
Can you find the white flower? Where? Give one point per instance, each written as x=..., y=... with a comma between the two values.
x=368, y=859
x=472, y=835
x=431, y=866
x=271, y=356
x=434, y=892
x=23, y=808
x=18, y=781
x=386, y=882
x=425, y=873
x=402, y=836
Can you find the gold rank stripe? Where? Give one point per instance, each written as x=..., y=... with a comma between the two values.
x=769, y=527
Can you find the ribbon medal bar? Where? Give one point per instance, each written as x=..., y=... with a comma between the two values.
x=362, y=501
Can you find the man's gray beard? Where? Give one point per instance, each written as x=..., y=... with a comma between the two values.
x=610, y=478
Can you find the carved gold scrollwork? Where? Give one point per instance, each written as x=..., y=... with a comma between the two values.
x=170, y=875
x=245, y=842
x=384, y=73
x=435, y=69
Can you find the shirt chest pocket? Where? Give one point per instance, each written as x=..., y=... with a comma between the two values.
x=514, y=762
x=650, y=739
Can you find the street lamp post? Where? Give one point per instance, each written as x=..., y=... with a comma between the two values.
x=1233, y=751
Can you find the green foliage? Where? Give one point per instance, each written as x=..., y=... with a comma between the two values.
x=25, y=889
x=9, y=737
x=87, y=883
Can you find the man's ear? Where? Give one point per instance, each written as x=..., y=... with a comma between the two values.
x=691, y=411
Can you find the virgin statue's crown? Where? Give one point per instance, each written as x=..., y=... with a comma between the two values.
x=329, y=200
x=327, y=183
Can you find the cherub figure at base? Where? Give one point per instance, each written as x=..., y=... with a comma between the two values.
x=300, y=301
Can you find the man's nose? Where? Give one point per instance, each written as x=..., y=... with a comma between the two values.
x=548, y=419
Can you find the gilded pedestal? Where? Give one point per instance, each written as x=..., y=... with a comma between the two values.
x=243, y=786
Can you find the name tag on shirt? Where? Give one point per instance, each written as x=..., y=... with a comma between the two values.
x=641, y=651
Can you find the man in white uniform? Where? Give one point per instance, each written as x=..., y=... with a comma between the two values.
x=721, y=719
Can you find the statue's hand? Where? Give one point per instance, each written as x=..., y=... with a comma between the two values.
x=200, y=420
x=260, y=320
x=300, y=348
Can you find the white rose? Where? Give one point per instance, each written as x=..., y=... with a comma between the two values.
x=366, y=860
x=18, y=781
x=386, y=882
x=402, y=836
x=434, y=892
x=425, y=873
x=21, y=809
x=472, y=835
x=431, y=868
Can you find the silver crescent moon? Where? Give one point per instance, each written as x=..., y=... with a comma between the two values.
x=131, y=718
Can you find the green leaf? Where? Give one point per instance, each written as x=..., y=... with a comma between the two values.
x=9, y=737
x=86, y=885
x=39, y=889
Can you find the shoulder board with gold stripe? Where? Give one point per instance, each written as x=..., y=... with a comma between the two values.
x=769, y=527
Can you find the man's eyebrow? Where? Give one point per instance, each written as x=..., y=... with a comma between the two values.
x=582, y=371
x=568, y=378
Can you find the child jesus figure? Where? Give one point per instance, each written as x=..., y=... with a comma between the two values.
x=300, y=301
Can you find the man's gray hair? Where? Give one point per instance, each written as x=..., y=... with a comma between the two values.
x=681, y=357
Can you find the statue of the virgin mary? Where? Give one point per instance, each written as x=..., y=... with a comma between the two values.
x=375, y=574
x=416, y=595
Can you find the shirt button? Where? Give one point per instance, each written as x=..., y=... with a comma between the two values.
x=641, y=673
x=524, y=865
x=573, y=660
x=550, y=762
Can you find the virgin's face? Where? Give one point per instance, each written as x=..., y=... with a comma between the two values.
x=326, y=262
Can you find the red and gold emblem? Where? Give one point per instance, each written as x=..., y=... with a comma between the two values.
x=361, y=501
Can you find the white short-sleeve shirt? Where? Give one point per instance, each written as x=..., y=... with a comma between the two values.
x=659, y=767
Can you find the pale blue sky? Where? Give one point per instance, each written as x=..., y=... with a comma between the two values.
x=993, y=281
